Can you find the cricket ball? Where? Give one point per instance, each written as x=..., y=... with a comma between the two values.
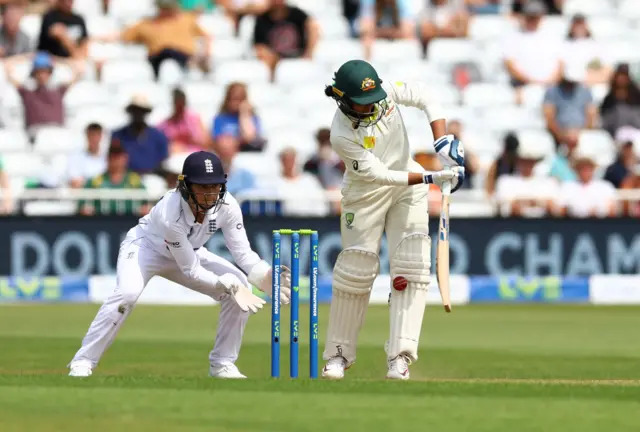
x=399, y=283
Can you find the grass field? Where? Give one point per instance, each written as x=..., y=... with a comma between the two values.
x=482, y=368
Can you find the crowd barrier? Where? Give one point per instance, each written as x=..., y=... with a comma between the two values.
x=597, y=289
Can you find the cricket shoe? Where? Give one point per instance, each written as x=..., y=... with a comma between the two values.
x=225, y=371
x=398, y=368
x=80, y=369
x=335, y=367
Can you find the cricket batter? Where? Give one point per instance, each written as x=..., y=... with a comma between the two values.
x=168, y=242
x=368, y=133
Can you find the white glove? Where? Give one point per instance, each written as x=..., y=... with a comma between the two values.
x=230, y=284
x=261, y=277
x=454, y=175
x=450, y=151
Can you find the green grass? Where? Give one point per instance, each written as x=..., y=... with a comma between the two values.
x=482, y=368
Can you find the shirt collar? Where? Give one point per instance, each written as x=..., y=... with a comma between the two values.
x=188, y=214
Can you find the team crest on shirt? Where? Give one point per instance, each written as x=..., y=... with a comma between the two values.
x=367, y=84
x=348, y=218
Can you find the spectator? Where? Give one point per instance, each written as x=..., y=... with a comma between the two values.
x=238, y=179
x=623, y=167
x=117, y=176
x=326, y=166
x=553, y=7
x=237, y=9
x=184, y=128
x=523, y=194
x=284, y=31
x=90, y=163
x=198, y=6
x=444, y=19
x=170, y=34
x=569, y=104
x=42, y=99
x=621, y=106
x=471, y=162
x=562, y=167
x=351, y=12
x=484, y=7
x=237, y=125
x=588, y=197
x=6, y=206
x=13, y=41
x=505, y=164
x=582, y=51
x=301, y=193
x=428, y=160
x=385, y=19
x=632, y=182
x=530, y=57
x=64, y=33
x=146, y=146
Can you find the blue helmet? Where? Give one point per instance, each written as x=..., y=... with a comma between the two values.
x=203, y=168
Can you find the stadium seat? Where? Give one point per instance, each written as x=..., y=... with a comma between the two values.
x=599, y=92
x=335, y=52
x=332, y=27
x=25, y=165
x=160, y=114
x=485, y=95
x=154, y=184
x=131, y=11
x=263, y=96
x=588, y=7
x=10, y=100
x=274, y=121
x=85, y=93
x=174, y=162
x=317, y=117
x=542, y=138
x=621, y=51
x=30, y=24
x=490, y=27
x=203, y=93
x=125, y=71
x=13, y=140
x=52, y=140
x=171, y=74
x=533, y=96
x=556, y=27
x=263, y=166
x=247, y=71
x=216, y=25
x=106, y=51
x=62, y=74
x=629, y=9
x=486, y=145
x=135, y=52
x=304, y=143
x=387, y=52
x=88, y=9
x=508, y=118
x=50, y=208
x=415, y=70
x=468, y=116
x=608, y=28
x=247, y=25
x=299, y=71
x=108, y=116
x=600, y=143
x=449, y=51
x=223, y=50
x=101, y=25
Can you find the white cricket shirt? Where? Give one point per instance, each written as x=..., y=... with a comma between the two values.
x=171, y=230
x=380, y=154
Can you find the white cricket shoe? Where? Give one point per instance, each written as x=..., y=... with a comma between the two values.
x=335, y=367
x=80, y=369
x=226, y=371
x=399, y=368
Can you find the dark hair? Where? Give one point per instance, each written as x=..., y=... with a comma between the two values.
x=380, y=6
x=179, y=94
x=94, y=127
x=224, y=107
x=323, y=135
x=578, y=19
x=610, y=100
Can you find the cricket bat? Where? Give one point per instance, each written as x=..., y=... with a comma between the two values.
x=442, y=255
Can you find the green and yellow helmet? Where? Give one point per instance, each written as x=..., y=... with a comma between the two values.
x=357, y=83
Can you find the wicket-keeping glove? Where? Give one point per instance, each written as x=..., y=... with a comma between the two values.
x=261, y=275
x=246, y=300
x=450, y=151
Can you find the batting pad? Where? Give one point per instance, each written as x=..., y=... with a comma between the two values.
x=411, y=261
x=353, y=277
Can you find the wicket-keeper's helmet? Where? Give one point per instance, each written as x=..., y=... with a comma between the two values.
x=357, y=82
x=203, y=168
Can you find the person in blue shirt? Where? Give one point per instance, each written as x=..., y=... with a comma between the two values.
x=237, y=125
x=146, y=146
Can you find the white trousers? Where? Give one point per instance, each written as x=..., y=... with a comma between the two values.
x=137, y=264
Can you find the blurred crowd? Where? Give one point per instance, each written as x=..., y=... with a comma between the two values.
x=113, y=94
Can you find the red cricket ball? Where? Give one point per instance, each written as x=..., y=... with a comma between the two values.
x=399, y=283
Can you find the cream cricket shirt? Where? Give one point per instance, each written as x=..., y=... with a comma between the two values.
x=380, y=154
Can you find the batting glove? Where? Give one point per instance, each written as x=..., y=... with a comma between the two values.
x=454, y=175
x=246, y=300
x=450, y=151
